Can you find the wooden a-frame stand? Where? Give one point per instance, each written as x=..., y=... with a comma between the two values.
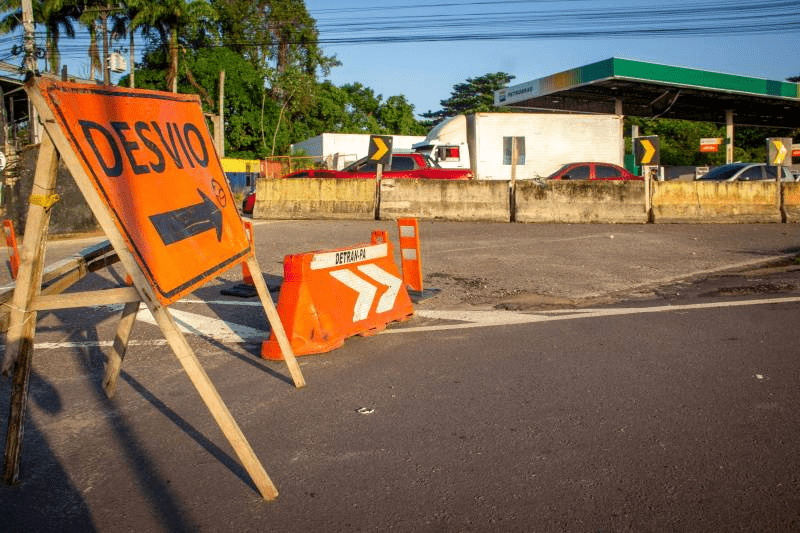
x=28, y=299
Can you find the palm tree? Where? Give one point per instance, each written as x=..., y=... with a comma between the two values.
x=170, y=19
x=55, y=15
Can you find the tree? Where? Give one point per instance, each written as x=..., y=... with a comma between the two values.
x=679, y=140
x=474, y=96
x=397, y=117
x=354, y=108
x=55, y=15
x=280, y=38
x=96, y=15
x=171, y=20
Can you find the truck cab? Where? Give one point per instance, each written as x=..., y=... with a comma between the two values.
x=446, y=144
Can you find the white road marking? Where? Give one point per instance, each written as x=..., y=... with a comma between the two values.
x=206, y=326
x=229, y=332
x=481, y=319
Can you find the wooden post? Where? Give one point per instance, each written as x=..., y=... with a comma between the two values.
x=120, y=346
x=219, y=129
x=214, y=402
x=29, y=278
x=513, y=185
x=22, y=321
x=648, y=192
x=729, y=136
x=378, y=180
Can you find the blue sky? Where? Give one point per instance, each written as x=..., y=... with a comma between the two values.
x=425, y=72
x=407, y=46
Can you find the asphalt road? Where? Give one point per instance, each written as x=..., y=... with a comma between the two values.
x=566, y=378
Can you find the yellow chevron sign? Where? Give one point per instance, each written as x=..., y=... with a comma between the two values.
x=380, y=148
x=778, y=151
x=646, y=150
x=649, y=151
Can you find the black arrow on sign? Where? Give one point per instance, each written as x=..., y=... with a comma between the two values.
x=180, y=224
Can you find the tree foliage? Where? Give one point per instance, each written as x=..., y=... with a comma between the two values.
x=57, y=16
x=679, y=140
x=476, y=95
x=274, y=64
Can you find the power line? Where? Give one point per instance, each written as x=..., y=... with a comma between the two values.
x=535, y=20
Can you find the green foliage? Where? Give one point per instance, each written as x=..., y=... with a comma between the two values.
x=476, y=95
x=354, y=108
x=57, y=16
x=397, y=117
x=679, y=141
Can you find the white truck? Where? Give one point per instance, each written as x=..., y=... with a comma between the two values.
x=539, y=143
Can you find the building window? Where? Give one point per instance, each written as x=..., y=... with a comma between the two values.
x=510, y=145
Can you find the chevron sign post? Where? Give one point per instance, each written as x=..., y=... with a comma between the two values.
x=328, y=296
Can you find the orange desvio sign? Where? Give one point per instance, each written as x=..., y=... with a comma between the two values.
x=150, y=157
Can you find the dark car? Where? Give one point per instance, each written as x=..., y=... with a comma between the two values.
x=592, y=171
x=747, y=172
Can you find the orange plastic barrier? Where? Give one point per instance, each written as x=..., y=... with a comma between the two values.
x=11, y=242
x=410, y=257
x=328, y=296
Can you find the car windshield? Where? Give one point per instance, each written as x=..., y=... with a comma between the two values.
x=786, y=174
x=400, y=163
x=559, y=171
x=362, y=165
x=722, y=173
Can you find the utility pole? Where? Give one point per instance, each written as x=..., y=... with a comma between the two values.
x=131, y=83
x=219, y=131
x=106, y=67
x=30, y=43
x=31, y=66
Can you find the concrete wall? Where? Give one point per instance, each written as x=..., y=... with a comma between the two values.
x=70, y=215
x=581, y=201
x=315, y=199
x=791, y=201
x=715, y=202
x=571, y=202
x=445, y=199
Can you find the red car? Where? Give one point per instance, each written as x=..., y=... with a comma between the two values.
x=404, y=165
x=592, y=171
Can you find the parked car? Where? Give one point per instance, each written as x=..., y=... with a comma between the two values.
x=592, y=171
x=747, y=172
x=410, y=165
x=404, y=165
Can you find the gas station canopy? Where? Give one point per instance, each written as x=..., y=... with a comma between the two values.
x=651, y=90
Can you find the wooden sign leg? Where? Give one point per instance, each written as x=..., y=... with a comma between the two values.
x=22, y=321
x=18, y=408
x=120, y=346
x=275, y=323
x=214, y=402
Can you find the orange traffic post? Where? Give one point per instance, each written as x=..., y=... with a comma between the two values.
x=410, y=258
x=247, y=288
x=328, y=296
x=247, y=277
x=13, y=252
